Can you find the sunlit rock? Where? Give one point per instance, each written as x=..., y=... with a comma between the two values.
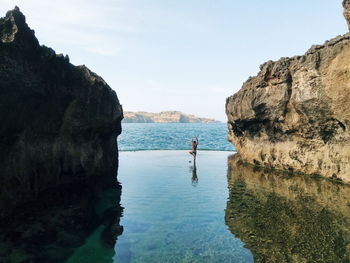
x=294, y=114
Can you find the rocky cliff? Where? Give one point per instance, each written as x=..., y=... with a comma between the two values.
x=59, y=122
x=294, y=114
x=163, y=117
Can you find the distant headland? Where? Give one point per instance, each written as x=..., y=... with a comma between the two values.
x=164, y=117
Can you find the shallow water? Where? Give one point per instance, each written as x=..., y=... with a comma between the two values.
x=173, y=136
x=222, y=211
x=174, y=213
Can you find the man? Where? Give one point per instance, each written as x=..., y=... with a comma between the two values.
x=194, y=148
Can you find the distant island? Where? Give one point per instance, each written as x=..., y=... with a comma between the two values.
x=163, y=117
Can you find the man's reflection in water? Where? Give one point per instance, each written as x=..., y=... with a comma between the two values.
x=194, y=174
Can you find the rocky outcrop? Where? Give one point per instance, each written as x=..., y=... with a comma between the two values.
x=163, y=117
x=294, y=114
x=288, y=218
x=59, y=122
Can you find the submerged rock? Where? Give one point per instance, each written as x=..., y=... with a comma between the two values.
x=294, y=114
x=59, y=122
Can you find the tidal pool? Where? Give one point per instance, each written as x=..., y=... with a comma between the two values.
x=175, y=212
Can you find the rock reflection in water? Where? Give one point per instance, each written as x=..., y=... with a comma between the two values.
x=72, y=225
x=288, y=218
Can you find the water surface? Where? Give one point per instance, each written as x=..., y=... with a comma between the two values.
x=174, y=213
x=221, y=211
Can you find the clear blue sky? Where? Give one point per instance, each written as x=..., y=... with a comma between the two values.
x=186, y=55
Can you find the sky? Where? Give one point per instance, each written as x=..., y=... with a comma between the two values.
x=185, y=55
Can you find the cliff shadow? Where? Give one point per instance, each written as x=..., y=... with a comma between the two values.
x=283, y=217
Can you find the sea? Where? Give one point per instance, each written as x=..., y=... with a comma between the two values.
x=173, y=136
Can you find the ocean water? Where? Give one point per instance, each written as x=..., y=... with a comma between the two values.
x=173, y=136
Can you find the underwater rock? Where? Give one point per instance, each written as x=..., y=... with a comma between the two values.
x=294, y=114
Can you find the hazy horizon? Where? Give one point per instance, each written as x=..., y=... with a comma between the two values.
x=187, y=56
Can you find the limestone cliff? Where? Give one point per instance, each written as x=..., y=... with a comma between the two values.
x=294, y=114
x=163, y=117
x=59, y=122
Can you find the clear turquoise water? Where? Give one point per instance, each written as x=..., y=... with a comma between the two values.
x=173, y=136
x=174, y=213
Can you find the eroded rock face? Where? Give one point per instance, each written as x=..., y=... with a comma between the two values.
x=59, y=122
x=294, y=114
